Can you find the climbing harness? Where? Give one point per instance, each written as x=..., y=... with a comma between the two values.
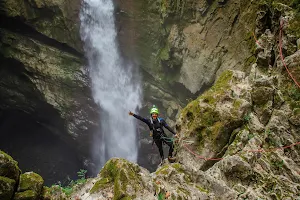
x=152, y=124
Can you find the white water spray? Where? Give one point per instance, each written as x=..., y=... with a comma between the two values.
x=112, y=82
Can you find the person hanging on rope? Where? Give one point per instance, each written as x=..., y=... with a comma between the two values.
x=156, y=125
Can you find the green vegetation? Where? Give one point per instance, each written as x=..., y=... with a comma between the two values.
x=201, y=189
x=203, y=120
x=121, y=174
x=296, y=5
x=10, y=169
x=102, y=183
x=68, y=189
x=278, y=164
x=247, y=118
x=6, y=187
x=163, y=170
x=28, y=194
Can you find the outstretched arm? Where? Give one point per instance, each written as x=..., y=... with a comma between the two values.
x=164, y=123
x=140, y=118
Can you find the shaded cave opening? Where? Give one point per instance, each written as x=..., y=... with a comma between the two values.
x=31, y=130
x=37, y=149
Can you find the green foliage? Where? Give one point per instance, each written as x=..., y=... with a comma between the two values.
x=81, y=174
x=268, y=131
x=250, y=136
x=278, y=164
x=68, y=188
x=102, y=183
x=294, y=93
x=294, y=24
x=247, y=118
x=296, y=5
x=161, y=196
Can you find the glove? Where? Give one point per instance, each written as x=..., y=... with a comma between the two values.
x=130, y=113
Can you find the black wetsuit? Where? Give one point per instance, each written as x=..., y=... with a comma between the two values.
x=159, y=135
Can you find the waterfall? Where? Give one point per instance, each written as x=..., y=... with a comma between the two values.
x=114, y=84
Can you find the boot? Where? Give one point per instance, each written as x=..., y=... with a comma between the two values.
x=161, y=162
x=171, y=159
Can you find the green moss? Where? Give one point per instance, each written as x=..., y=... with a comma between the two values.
x=164, y=53
x=46, y=193
x=216, y=136
x=178, y=167
x=201, y=189
x=54, y=191
x=30, y=181
x=223, y=81
x=203, y=120
x=249, y=38
x=296, y=111
x=183, y=190
x=163, y=170
x=296, y=5
x=26, y=195
x=218, y=89
x=249, y=62
x=236, y=106
x=101, y=184
x=6, y=188
x=294, y=25
x=122, y=173
x=126, y=198
x=291, y=93
x=9, y=167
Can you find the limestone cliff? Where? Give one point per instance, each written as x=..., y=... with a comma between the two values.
x=42, y=67
x=239, y=139
x=182, y=46
x=220, y=152
x=247, y=122
x=44, y=82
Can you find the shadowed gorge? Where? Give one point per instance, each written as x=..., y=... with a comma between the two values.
x=223, y=74
x=37, y=148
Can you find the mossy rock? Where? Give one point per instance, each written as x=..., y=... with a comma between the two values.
x=26, y=195
x=100, y=184
x=52, y=193
x=30, y=181
x=46, y=193
x=7, y=186
x=262, y=95
x=203, y=119
x=9, y=167
x=164, y=170
x=122, y=175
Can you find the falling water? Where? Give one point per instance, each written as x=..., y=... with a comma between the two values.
x=113, y=84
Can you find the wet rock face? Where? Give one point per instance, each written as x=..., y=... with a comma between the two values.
x=43, y=73
x=204, y=38
x=57, y=20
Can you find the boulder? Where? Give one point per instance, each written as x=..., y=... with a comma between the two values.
x=52, y=193
x=30, y=185
x=9, y=167
x=7, y=187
